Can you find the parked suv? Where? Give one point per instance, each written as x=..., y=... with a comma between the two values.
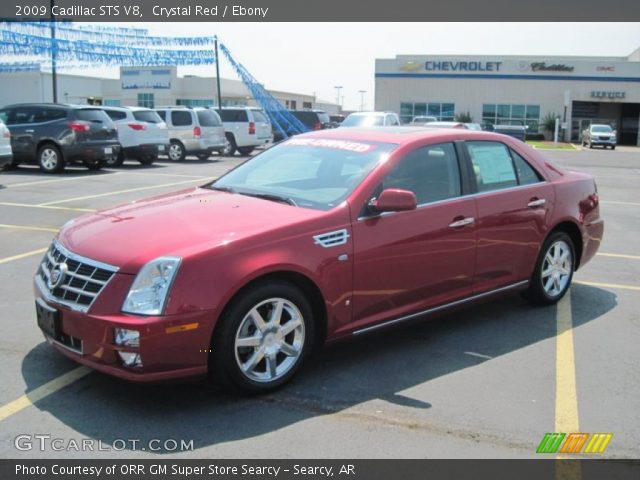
x=245, y=129
x=6, y=155
x=602, y=135
x=371, y=119
x=141, y=132
x=54, y=134
x=193, y=131
x=313, y=119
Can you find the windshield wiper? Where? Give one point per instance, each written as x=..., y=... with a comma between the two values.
x=272, y=197
x=222, y=189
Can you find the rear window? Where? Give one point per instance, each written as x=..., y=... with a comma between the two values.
x=234, y=115
x=148, y=116
x=92, y=115
x=363, y=121
x=208, y=118
x=260, y=117
x=180, y=118
x=162, y=114
x=116, y=115
x=308, y=118
x=323, y=117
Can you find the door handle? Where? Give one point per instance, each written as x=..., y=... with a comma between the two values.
x=535, y=203
x=462, y=222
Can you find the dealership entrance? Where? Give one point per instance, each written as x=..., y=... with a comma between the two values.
x=623, y=117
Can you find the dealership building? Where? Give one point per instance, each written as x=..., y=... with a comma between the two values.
x=516, y=90
x=141, y=86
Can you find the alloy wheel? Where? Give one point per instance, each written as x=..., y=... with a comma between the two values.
x=557, y=268
x=49, y=159
x=269, y=340
x=175, y=152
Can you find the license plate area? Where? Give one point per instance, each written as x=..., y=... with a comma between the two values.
x=48, y=319
x=161, y=148
x=108, y=150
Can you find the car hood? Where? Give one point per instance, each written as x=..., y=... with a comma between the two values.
x=183, y=223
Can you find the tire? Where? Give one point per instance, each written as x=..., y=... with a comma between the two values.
x=613, y=147
x=176, y=152
x=203, y=156
x=50, y=158
x=148, y=159
x=115, y=161
x=95, y=166
x=271, y=340
x=590, y=145
x=547, y=289
x=231, y=146
x=245, y=150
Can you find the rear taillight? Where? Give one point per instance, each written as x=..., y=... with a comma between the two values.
x=136, y=126
x=197, y=132
x=252, y=128
x=79, y=126
x=317, y=126
x=6, y=133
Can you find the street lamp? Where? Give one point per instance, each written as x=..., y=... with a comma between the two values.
x=362, y=92
x=338, y=88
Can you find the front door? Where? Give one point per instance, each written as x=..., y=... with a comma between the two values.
x=406, y=262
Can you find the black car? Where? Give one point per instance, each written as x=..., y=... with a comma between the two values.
x=53, y=135
x=515, y=131
x=312, y=119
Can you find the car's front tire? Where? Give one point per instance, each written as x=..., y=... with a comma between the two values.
x=553, y=271
x=262, y=338
x=50, y=158
x=177, y=152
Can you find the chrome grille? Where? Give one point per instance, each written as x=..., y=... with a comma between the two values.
x=82, y=281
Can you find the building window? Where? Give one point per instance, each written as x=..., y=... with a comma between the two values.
x=442, y=111
x=111, y=102
x=195, y=102
x=307, y=105
x=146, y=100
x=512, y=114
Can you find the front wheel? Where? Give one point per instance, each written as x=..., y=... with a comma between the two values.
x=553, y=271
x=177, y=152
x=148, y=159
x=203, y=156
x=263, y=338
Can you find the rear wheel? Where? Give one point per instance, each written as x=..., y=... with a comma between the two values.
x=231, y=146
x=115, y=161
x=553, y=271
x=245, y=150
x=95, y=165
x=50, y=159
x=148, y=159
x=203, y=156
x=263, y=338
x=613, y=147
x=177, y=152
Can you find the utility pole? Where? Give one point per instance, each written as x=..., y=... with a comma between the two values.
x=338, y=88
x=218, y=77
x=54, y=52
x=362, y=92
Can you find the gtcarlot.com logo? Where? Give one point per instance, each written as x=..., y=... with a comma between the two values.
x=574, y=443
x=43, y=442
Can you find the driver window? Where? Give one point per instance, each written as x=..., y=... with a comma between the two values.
x=431, y=173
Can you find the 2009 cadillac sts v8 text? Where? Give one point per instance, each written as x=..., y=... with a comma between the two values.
x=326, y=235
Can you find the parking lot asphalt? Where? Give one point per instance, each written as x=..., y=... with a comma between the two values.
x=487, y=382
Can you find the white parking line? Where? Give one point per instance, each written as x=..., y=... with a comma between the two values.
x=28, y=227
x=58, y=180
x=28, y=205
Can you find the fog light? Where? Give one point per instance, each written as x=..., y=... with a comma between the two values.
x=127, y=338
x=130, y=359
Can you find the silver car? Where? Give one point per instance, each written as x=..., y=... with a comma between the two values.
x=6, y=154
x=193, y=131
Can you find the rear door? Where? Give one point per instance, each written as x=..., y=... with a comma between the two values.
x=236, y=122
x=263, y=126
x=406, y=262
x=513, y=202
x=21, y=124
x=211, y=127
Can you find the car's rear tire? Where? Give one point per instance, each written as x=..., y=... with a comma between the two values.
x=245, y=150
x=231, y=146
x=116, y=161
x=554, y=269
x=203, y=156
x=262, y=338
x=613, y=147
x=148, y=159
x=95, y=166
x=50, y=158
x=177, y=152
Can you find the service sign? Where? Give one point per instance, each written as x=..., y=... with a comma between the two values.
x=145, y=79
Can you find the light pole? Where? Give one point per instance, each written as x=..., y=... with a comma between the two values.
x=338, y=88
x=54, y=54
x=362, y=92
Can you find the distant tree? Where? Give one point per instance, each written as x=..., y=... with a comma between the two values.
x=464, y=117
x=549, y=122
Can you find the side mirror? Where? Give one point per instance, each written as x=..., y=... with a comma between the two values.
x=394, y=200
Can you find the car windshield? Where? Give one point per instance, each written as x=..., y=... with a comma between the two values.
x=601, y=129
x=363, y=121
x=314, y=173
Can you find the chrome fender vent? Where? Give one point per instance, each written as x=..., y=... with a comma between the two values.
x=332, y=239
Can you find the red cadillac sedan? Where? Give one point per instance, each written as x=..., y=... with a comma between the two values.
x=325, y=236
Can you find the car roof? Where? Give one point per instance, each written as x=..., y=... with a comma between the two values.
x=51, y=104
x=403, y=135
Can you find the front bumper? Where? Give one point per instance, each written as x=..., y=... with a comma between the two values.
x=599, y=141
x=171, y=347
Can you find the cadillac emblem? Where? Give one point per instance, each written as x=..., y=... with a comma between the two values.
x=57, y=275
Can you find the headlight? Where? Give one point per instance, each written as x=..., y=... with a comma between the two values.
x=148, y=294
